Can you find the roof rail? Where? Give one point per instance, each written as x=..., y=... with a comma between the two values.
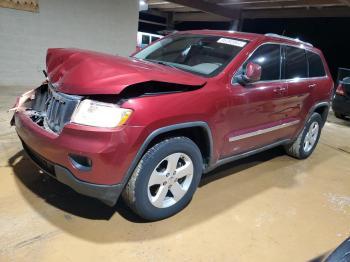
x=288, y=38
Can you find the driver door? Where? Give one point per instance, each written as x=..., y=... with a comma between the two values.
x=257, y=109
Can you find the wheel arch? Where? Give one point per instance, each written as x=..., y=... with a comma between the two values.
x=321, y=108
x=194, y=130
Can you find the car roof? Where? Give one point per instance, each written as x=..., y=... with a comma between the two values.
x=241, y=35
x=254, y=37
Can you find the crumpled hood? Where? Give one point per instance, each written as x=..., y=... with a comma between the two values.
x=81, y=72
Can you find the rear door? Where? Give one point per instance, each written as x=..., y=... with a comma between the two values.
x=298, y=97
x=319, y=85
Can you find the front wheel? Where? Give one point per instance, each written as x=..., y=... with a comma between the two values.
x=165, y=179
x=307, y=140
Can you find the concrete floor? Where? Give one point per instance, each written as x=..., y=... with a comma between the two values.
x=269, y=207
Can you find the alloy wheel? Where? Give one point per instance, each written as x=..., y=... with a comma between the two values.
x=311, y=136
x=170, y=180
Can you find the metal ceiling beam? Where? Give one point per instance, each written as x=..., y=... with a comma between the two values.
x=238, y=2
x=151, y=22
x=156, y=13
x=283, y=4
x=292, y=7
x=298, y=13
x=179, y=9
x=161, y=5
x=345, y=2
x=199, y=17
x=209, y=8
x=226, y=10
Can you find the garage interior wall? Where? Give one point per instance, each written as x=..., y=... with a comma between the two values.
x=108, y=26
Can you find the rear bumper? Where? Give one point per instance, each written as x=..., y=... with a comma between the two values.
x=108, y=194
x=341, y=105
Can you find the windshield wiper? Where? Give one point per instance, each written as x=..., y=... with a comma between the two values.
x=162, y=63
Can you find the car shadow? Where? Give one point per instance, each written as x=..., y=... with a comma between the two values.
x=91, y=220
x=61, y=196
x=333, y=119
x=240, y=165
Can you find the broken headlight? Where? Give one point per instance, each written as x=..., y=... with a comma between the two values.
x=99, y=114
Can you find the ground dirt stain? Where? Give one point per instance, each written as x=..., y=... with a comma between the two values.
x=35, y=239
x=68, y=217
x=345, y=150
x=339, y=203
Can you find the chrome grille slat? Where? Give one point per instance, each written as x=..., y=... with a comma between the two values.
x=59, y=109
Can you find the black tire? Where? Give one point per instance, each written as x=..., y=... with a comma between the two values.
x=341, y=253
x=296, y=149
x=135, y=193
x=340, y=116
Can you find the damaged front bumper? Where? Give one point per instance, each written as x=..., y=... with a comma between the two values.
x=108, y=194
x=92, y=161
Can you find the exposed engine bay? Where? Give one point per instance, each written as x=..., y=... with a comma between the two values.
x=50, y=109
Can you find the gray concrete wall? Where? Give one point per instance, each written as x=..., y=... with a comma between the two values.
x=108, y=26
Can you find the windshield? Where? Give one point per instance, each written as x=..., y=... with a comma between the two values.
x=199, y=54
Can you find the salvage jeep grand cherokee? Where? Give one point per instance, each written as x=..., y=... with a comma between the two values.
x=148, y=126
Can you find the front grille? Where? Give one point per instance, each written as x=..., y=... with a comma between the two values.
x=50, y=109
x=59, y=109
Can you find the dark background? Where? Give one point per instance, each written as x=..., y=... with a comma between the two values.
x=331, y=35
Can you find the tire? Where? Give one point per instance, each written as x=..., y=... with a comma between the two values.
x=340, y=116
x=148, y=193
x=341, y=253
x=298, y=148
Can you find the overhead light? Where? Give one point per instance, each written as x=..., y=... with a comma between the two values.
x=143, y=6
x=261, y=59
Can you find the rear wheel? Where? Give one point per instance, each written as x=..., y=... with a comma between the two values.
x=340, y=116
x=307, y=140
x=165, y=179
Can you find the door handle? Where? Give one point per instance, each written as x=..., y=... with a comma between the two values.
x=277, y=90
x=283, y=89
x=312, y=85
x=280, y=90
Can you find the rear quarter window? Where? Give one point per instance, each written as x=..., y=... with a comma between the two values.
x=316, y=68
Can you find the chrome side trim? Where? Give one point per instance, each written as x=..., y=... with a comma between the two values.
x=263, y=131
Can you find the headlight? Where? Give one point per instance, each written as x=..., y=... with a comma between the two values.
x=94, y=113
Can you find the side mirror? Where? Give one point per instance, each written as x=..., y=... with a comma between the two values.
x=252, y=74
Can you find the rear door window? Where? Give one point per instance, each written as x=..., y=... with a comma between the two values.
x=295, y=63
x=316, y=68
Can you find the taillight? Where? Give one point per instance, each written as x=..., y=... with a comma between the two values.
x=340, y=90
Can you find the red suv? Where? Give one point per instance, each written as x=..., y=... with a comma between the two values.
x=147, y=127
